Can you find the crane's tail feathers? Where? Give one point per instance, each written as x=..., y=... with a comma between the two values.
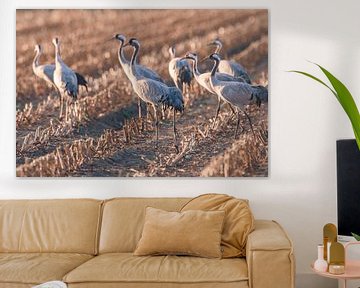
x=71, y=93
x=245, y=77
x=185, y=75
x=260, y=94
x=173, y=100
x=81, y=81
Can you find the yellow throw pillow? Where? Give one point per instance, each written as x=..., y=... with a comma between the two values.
x=238, y=224
x=195, y=233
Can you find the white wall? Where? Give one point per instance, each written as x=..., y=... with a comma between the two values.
x=305, y=121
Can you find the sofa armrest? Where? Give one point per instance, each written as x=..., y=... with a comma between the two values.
x=269, y=256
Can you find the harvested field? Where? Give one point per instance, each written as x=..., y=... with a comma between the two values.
x=104, y=137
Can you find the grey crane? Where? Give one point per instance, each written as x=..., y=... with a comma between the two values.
x=46, y=72
x=179, y=70
x=155, y=93
x=229, y=66
x=236, y=93
x=140, y=69
x=204, y=80
x=125, y=64
x=64, y=78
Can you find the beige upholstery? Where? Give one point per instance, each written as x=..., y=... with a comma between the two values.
x=242, y=284
x=192, y=233
x=269, y=255
x=71, y=230
x=66, y=226
x=36, y=268
x=239, y=220
x=15, y=285
x=123, y=218
x=126, y=268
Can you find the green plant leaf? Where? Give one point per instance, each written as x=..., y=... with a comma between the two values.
x=347, y=102
x=344, y=97
x=316, y=79
x=357, y=237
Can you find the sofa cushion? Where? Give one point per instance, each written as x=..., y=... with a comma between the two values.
x=63, y=226
x=127, y=268
x=36, y=268
x=237, y=284
x=123, y=220
x=238, y=223
x=193, y=232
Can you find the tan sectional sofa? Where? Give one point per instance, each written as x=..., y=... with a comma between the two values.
x=89, y=243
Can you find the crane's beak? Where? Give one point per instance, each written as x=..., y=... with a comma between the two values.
x=211, y=44
x=112, y=38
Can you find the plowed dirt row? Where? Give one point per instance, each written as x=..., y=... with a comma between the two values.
x=110, y=102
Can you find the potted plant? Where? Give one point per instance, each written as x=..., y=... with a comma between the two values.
x=345, y=99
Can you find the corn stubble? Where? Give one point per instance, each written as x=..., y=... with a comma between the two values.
x=103, y=132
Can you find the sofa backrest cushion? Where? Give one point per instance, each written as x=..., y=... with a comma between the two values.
x=64, y=226
x=123, y=220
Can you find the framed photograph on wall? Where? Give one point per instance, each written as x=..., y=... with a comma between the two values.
x=152, y=93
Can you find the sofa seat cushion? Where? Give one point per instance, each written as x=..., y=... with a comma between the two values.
x=127, y=268
x=36, y=268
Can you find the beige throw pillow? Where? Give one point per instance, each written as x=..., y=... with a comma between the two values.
x=194, y=232
x=238, y=223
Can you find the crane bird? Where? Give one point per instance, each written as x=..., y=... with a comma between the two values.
x=140, y=69
x=238, y=94
x=154, y=92
x=229, y=66
x=179, y=70
x=46, y=72
x=204, y=80
x=125, y=64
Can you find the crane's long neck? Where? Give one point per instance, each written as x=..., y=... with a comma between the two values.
x=58, y=59
x=133, y=60
x=215, y=67
x=121, y=56
x=36, y=59
x=195, y=67
x=218, y=48
x=172, y=53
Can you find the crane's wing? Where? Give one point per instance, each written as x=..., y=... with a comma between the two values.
x=48, y=71
x=69, y=84
x=237, y=93
x=150, y=90
x=234, y=69
x=159, y=94
x=148, y=73
x=81, y=81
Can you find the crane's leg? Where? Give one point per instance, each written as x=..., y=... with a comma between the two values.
x=140, y=116
x=232, y=109
x=76, y=111
x=163, y=113
x=156, y=124
x=61, y=106
x=237, y=124
x=174, y=131
x=66, y=109
x=217, y=111
x=251, y=126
